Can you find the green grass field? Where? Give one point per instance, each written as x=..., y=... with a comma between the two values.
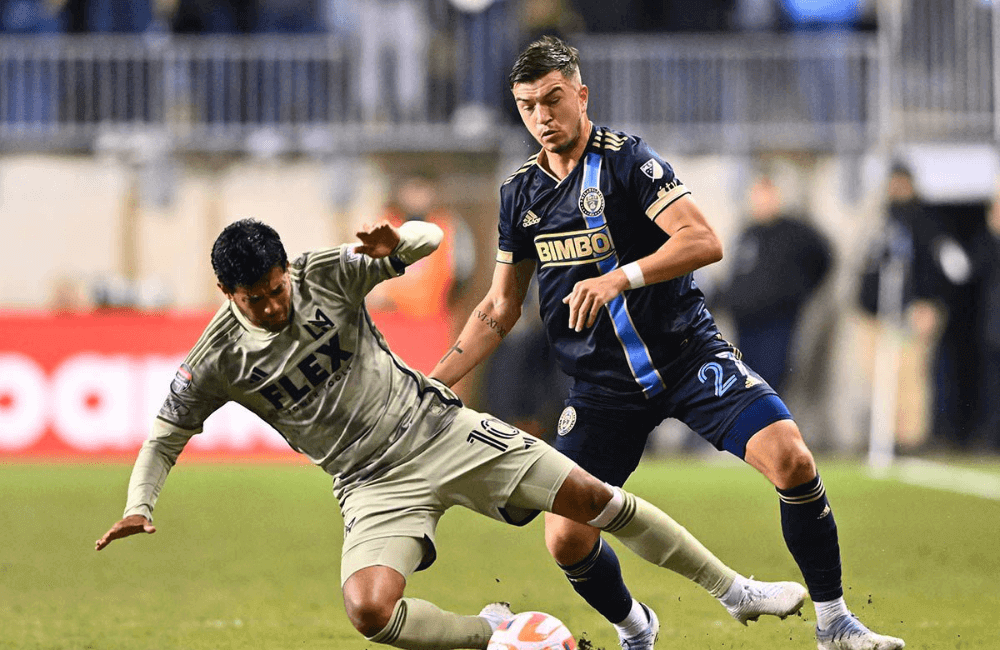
x=248, y=556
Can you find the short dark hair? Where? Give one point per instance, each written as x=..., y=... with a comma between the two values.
x=542, y=57
x=245, y=252
x=900, y=168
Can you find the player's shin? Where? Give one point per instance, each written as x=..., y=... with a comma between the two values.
x=419, y=625
x=598, y=580
x=811, y=535
x=654, y=536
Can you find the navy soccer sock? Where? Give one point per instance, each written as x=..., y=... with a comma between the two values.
x=598, y=579
x=811, y=535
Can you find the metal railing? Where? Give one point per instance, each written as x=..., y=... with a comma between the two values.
x=737, y=93
x=844, y=92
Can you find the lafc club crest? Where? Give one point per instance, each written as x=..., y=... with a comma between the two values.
x=566, y=421
x=592, y=202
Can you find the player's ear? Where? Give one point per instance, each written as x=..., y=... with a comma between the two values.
x=584, y=96
x=223, y=290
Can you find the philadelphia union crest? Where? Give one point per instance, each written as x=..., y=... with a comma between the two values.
x=592, y=202
x=566, y=421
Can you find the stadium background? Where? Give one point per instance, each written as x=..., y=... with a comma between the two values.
x=132, y=132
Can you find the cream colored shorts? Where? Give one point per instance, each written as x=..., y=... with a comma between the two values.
x=478, y=462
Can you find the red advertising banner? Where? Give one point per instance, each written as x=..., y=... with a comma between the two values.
x=86, y=386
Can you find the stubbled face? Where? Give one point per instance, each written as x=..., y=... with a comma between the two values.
x=554, y=110
x=268, y=303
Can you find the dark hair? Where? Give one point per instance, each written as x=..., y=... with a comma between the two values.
x=245, y=252
x=900, y=168
x=542, y=57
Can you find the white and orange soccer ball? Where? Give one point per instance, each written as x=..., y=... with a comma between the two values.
x=532, y=631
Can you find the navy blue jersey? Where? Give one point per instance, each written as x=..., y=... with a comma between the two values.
x=599, y=217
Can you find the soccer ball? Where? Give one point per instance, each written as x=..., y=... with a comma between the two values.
x=532, y=631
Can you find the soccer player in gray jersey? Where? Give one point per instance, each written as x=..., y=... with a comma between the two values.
x=294, y=344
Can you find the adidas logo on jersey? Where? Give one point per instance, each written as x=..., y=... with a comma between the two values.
x=530, y=219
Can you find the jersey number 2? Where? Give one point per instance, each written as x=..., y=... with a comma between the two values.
x=714, y=368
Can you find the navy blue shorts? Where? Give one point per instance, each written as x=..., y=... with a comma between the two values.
x=715, y=394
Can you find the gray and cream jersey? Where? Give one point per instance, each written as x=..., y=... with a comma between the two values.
x=327, y=382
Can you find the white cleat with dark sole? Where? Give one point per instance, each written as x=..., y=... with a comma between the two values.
x=848, y=633
x=496, y=613
x=781, y=599
x=645, y=639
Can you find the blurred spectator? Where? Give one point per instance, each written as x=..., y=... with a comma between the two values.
x=31, y=16
x=536, y=18
x=340, y=16
x=823, y=14
x=690, y=15
x=778, y=263
x=487, y=37
x=986, y=256
x=289, y=16
x=829, y=86
x=110, y=16
x=602, y=17
x=426, y=289
x=956, y=366
x=215, y=16
x=899, y=278
x=394, y=39
x=755, y=15
x=28, y=97
x=643, y=16
x=938, y=294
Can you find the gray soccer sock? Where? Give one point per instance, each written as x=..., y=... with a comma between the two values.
x=419, y=625
x=652, y=535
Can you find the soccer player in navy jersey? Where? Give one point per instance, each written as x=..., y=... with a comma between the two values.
x=614, y=236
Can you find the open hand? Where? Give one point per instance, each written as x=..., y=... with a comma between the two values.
x=378, y=239
x=131, y=525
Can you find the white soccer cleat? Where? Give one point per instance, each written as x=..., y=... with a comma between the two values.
x=643, y=640
x=848, y=633
x=496, y=613
x=779, y=599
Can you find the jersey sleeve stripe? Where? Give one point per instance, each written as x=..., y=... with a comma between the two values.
x=223, y=320
x=205, y=346
x=505, y=257
x=323, y=257
x=525, y=167
x=666, y=197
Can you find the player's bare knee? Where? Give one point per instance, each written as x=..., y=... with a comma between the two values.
x=567, y=541
x=369, y=615
x=795, y=467
x=581, y=497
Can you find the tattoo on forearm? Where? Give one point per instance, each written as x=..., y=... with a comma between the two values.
x=453, y=348
x=491, y=323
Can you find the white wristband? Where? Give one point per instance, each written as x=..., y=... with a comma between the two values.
x=634, y=275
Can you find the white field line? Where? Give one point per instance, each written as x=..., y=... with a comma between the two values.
x=941, y=476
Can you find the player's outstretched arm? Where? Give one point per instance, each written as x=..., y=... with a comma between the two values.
x=410, y=242
x=692, y=245
x=131, y=525
x=378, y=239
x=490, y=321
